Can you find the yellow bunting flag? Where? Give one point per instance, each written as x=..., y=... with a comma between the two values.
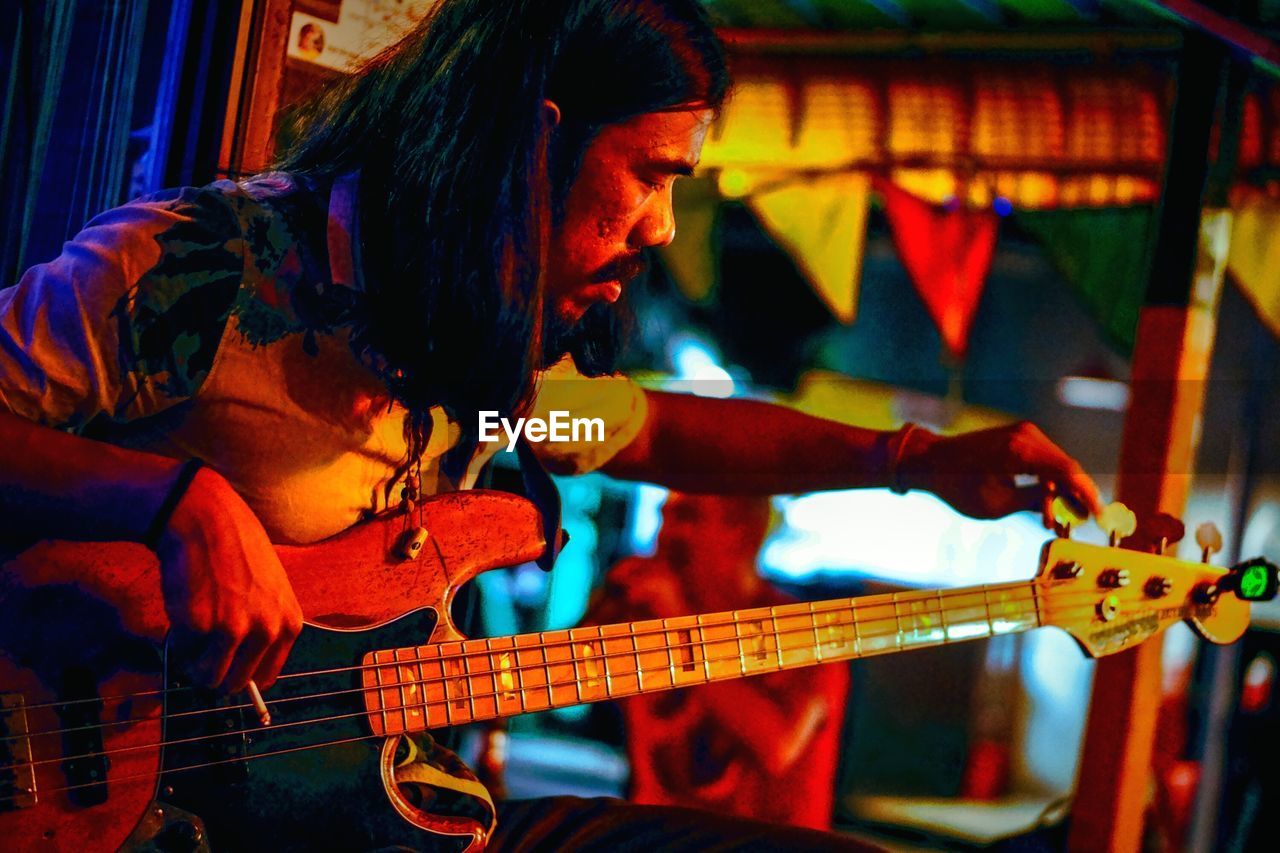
x=1254, y=259
x=691, y=257
x=822, y=223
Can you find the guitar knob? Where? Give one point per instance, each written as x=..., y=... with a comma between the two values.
x=1118, y=520
x=1113, y=578
x=1209, y=538
x=1158, y=587
x=1108, y=608
x=179, y=836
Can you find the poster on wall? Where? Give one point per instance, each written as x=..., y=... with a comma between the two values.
x=362, y=28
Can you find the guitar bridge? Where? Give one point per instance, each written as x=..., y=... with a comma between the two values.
x=17, y=774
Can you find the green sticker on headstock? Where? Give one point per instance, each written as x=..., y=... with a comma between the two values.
x=1255, y=582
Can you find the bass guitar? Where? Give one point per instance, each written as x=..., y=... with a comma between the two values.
x=103, y=746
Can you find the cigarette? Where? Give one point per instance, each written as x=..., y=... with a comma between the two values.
x=258, y=705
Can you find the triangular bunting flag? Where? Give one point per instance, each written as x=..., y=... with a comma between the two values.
x=947, y=253
x=822, y=223
x=1254, y=258
x=1102, y=253
x=691, y=257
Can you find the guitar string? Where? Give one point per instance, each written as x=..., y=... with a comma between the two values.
x=153, y=776
x=807, y=630
x=910, y=597
x=857, y=620
x=471, y=698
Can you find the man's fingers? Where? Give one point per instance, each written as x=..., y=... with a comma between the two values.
x=1055, y=466
x=247, y=660
x=204, y=657
x=272, y=662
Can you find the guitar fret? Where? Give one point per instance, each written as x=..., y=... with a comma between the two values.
x=604, y=660
x=897, y=620
x=404, y=699
x=420, y=683
x=562, y=676
x=737, y=636
x=986, y=604
x=635, y=650
x=382, y=701
x=619, y=650
x=431, y=672
x=586, y=661
x=777, y=638
x=817, y=641
x=671, y=658
x=857, y=631
x=942, y=616
x=456, y=686
x=649, y=638
x=507, y=691
x=531, y=665
x=701, y=641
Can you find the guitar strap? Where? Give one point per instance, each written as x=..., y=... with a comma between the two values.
x=541, y=489
x=343, y=238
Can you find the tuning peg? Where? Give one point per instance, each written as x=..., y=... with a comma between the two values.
x=1066, y=515
x=1209, y=538
x=1118, y=520
x=1156, y=533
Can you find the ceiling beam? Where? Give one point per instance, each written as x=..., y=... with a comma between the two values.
x=893, y=10
x=988, y=9
x=1088, y=10
x=1228, y=30
x=888, y=42
x=806, y=10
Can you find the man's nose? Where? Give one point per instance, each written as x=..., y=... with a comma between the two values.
x=657, y=225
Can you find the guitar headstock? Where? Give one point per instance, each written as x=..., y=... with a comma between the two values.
x=1112, y=598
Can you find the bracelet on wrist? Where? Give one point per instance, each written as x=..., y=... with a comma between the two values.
x=160, y=521
x=897, y=449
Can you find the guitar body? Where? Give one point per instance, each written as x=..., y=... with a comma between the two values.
x=84, y=707
x=290, y=797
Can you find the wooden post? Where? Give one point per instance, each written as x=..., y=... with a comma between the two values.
x=1170, y=366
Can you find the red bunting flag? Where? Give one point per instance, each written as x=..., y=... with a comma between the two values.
x=947, y=252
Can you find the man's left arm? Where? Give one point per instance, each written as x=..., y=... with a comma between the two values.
x=700, y=444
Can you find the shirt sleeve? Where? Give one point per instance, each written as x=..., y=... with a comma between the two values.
x=601, y=415
x=127, y=320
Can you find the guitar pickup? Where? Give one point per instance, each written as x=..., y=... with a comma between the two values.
x=17, y=775
x=81, y=717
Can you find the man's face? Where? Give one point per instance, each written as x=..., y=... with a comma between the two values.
x=619, y=205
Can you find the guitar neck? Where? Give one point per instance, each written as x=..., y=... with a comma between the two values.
x=430, y=686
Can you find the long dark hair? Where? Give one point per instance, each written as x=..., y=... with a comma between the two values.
x=459, y=183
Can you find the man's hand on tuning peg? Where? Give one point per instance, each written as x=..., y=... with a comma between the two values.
x=993, y=472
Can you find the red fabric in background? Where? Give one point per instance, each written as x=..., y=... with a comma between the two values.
x=947, y=253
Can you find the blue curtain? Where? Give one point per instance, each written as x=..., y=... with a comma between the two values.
x=68, y=114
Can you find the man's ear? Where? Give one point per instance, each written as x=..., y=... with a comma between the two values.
x=551, y=112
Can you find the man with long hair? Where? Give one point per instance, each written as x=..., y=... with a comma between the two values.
x=447, y=236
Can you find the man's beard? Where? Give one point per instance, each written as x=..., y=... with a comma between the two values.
x=594, y=340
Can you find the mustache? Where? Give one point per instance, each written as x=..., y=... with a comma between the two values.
x=622, y=269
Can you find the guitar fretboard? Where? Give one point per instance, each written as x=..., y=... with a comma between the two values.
x=423, y=687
